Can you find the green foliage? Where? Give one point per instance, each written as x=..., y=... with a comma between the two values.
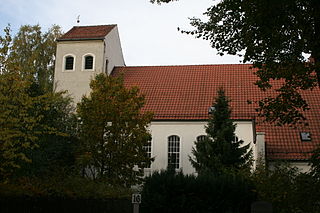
x=33, y=52
x=113, y=132
x=63, y=194
x=31, y=115
x=220, y=150
x=62, y=186
x=315, y=163
x=55, y=152
x=274, y=36
x=62, y=205
x=19, y=122
x=167, y=191
x=161, y=1
x=288, y=190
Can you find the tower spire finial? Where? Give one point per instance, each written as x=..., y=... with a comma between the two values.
x=78, y=19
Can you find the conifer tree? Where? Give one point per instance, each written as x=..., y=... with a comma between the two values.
x=220, y=150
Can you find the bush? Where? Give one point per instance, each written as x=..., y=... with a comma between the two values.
x=63, y=187
x=68, y=194
x=169, y=192
x=288, y=190
x=64, y=205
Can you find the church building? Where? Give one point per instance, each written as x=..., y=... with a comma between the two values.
x=180, y=97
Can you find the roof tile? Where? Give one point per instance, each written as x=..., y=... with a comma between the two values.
x=186, y=93
x=87, y=32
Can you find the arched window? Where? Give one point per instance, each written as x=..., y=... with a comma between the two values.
x=88, y=62
x=69, y=62
x=173, y=151
x=106, y=68
x=201, y=138
x=147, y=148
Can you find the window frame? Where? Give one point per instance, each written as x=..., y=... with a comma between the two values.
x=84, y=61
x=174, y=149
x=201, y=138
x=65, y=60
x=148, y=150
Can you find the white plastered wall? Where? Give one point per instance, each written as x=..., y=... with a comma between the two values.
x=302, y=166
x=77, y=82
x=188, y=132
x=113, y=50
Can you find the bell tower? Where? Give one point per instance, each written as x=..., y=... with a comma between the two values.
x=82, y=53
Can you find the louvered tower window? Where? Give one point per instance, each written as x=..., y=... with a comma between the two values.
x=69, y=61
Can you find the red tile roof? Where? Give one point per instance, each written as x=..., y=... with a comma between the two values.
x=186, y=93
x=87, y=32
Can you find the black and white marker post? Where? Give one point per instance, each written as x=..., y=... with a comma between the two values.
x=136, y=200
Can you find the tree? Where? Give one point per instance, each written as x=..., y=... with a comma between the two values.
x=31, y=115
x=220, y=149
x=54, y=156
x=286, y=188
x=34, y=52
x=113, y=131
x=315, y=163
x=275, y=36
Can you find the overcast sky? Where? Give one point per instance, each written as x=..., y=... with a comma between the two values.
x=148, y=32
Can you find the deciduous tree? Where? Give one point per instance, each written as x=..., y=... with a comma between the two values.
x=30, y=111
x=113, y=131
x=275, y=36
x=34, y=52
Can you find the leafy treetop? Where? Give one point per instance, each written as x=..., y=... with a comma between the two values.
x=113, y=131
x=25, y=107
x=275, y=36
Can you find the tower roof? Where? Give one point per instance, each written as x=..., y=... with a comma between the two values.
x=97, y=32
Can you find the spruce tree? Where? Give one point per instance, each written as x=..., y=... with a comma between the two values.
x=220, y=150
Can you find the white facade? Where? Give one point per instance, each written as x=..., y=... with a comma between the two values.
x=106, y=54
x=188, y=131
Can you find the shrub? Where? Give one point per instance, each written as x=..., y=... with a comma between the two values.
x=288, y=190
x=169, y=192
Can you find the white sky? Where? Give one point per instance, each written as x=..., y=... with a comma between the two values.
x=148, y=32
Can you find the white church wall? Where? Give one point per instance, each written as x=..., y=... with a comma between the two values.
x=188, y=131
x=113, y=50
x=302, y=166
x=76, y=82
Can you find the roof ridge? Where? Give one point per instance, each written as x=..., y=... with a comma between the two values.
x=93, y=32
x=182, y=65
x=99, y=25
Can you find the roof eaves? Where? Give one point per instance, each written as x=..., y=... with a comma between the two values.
x=79, y=39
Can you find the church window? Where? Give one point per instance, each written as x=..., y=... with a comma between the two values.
x=106, y=68
x=201, y=138
x=88, y=62
x=174, y=151
x=147, y=148
x=69, y=63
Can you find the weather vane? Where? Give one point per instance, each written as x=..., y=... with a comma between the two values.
x=78, y=19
